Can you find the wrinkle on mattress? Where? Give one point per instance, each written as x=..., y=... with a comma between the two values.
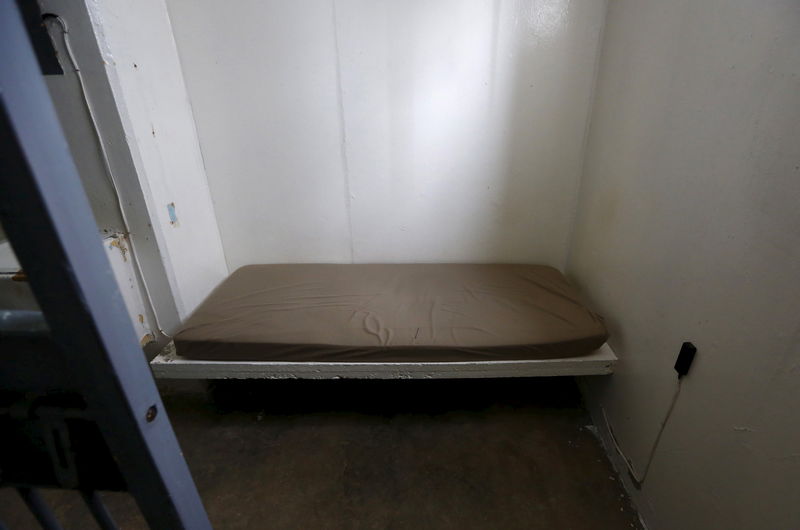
x=391, y=313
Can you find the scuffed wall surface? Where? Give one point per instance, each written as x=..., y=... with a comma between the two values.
x=391, y=131
x=688, y=230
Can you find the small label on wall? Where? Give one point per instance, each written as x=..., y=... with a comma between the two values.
x=173, y=217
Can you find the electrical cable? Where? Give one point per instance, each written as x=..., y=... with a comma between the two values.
x=106, y=164
x=651, y=456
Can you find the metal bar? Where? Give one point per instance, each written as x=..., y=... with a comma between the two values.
x=39, y=508
x=22, y=322
x=46, y=216
x=99, y=510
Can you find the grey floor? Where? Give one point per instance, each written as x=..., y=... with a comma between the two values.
x=494, y=454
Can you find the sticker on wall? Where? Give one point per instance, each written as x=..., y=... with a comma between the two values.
x=173, y=217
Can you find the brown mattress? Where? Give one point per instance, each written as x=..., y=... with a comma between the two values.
x=391, y=313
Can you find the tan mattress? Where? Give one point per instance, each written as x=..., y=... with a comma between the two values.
x=391, y=313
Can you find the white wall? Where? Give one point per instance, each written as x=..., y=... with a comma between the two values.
x=99, y=75
x=689, y=229
x=128, y=58
x=397, y=131
x=77, y=126
x=136, y=39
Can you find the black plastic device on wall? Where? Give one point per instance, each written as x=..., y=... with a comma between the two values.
x=685, y=358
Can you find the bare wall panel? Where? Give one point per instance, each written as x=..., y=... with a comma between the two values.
x=688, y=230
x=391, y=131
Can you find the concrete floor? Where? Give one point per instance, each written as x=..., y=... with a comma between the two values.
x=494, y=454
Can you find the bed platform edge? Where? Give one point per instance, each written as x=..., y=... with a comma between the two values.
x=167, y=365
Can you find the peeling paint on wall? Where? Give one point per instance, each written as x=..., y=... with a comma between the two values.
x=117, y=252
x=118, y=241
